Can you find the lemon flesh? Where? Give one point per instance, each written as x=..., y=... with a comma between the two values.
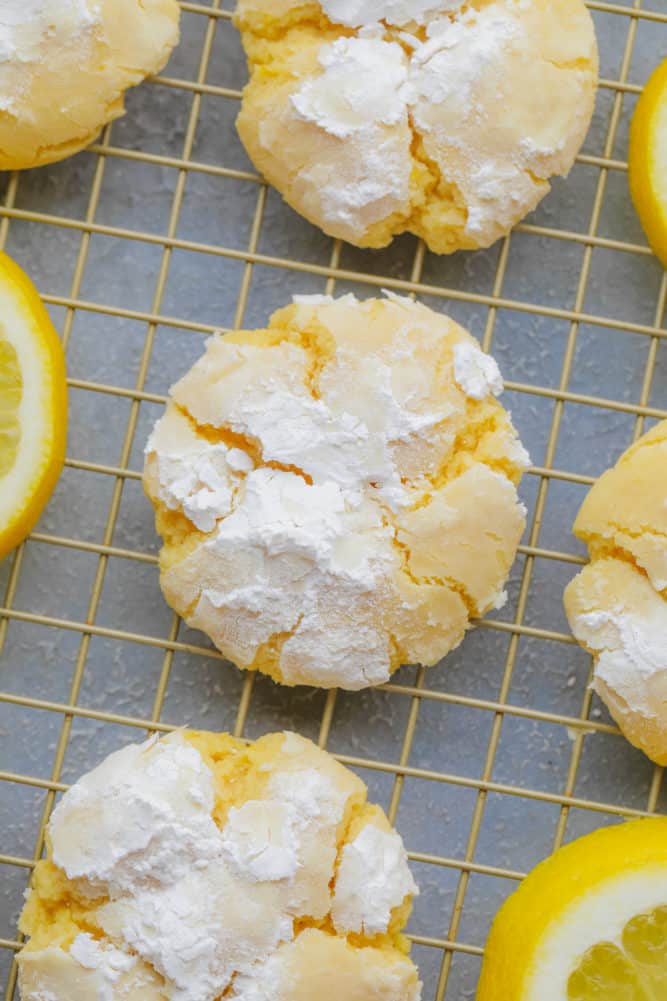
x=647, y=161
x=588, y=924
x=33, y=406
x=633, y=970
x=11, y=392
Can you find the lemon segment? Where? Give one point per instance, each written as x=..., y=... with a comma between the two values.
x=588, y=924
x=11, y=392
x=635, y=970
x=647, y=161
x=605, y=973
x=33, y=405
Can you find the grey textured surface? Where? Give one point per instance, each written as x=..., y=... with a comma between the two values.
x=121, y=676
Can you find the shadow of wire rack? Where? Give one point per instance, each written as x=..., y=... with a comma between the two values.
x=158, y=235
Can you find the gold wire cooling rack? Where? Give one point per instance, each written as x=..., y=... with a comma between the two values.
x=485, y=763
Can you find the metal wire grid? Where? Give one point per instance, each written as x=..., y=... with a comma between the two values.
x=445, y=941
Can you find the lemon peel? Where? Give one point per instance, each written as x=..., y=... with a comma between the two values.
x=647, y=161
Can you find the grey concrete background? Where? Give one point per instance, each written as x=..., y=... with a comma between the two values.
x=121, y=676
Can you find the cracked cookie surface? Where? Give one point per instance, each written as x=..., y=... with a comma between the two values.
x=199, y=867
x=617, y=605
x=337, y=493
x=375, y=117
x=65, y=66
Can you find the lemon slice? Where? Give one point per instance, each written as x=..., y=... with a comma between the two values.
x=33, y=405
x=648, y=161
x=589, y=924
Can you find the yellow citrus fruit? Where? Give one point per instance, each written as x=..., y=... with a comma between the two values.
x=648, y=161
x=33, y=405
x=589, y=924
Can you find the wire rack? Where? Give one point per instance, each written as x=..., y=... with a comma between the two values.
x=157, y=236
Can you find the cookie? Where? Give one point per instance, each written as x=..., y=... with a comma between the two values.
x=337, y=493
x=197, y=866
x=445, y=119
x=617, y=605
x=65, y=66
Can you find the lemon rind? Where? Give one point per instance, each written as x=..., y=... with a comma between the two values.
x=644, y=162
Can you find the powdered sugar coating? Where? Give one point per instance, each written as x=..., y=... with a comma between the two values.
x=92, y=970
x=64, y=68
x=167, y=796
x=350, y=413
x=351, y=95
x=94, y=955
x=617, y=605
x=183, y=899
x=615, y=613
x=446, y=119
x=317, y=965
x=632, y=656
x=199, y=477
x=24, y=25
x=373, y=879
x=476, y=373
x=358, y=98
x=197, y=932
x=361, y=13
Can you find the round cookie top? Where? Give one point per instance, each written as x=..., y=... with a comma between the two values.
x=373, y=117
x=337, y=493
x=64, y=68
x=197, y=866
x=617, y=605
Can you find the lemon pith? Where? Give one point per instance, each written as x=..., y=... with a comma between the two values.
x=33, y=405
x=648, y=161
x=589, y=923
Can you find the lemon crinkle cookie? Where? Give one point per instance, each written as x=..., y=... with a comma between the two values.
x=65, y=66
x=197, y=866
x=373, y=117
x=617, y=605
x=337, y=493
